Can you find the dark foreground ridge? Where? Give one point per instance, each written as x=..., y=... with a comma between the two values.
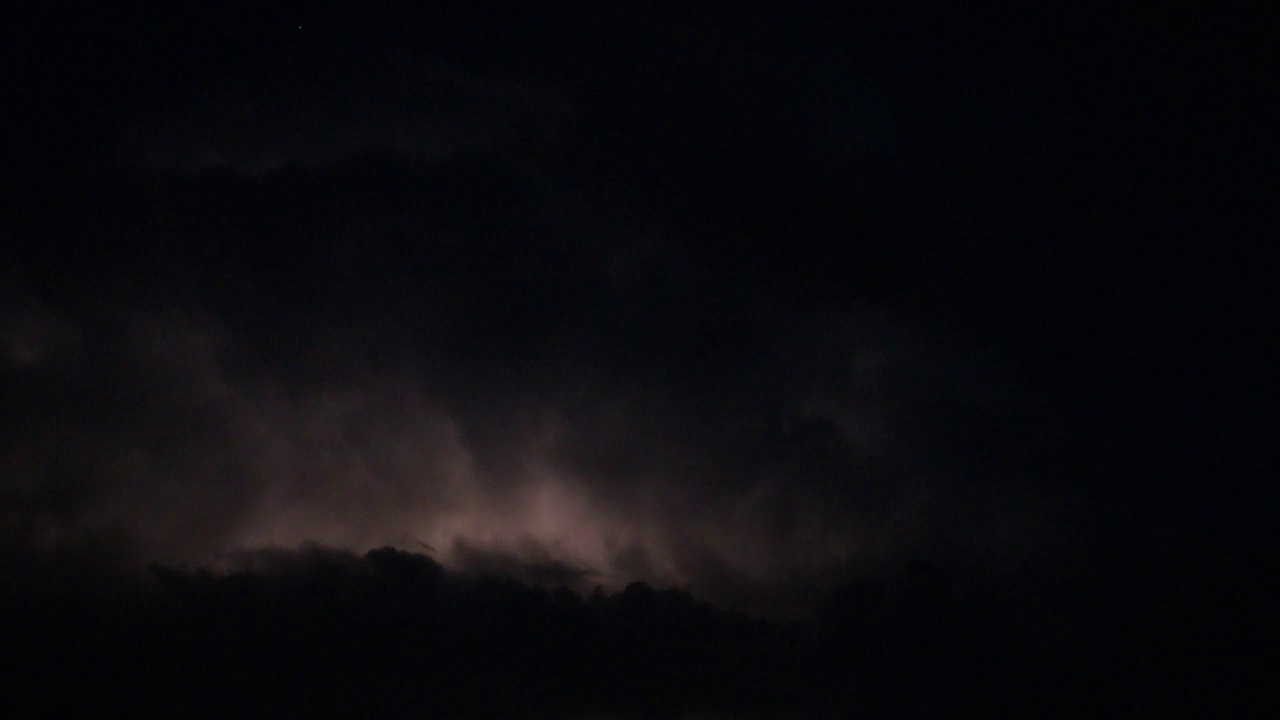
x=325, y=633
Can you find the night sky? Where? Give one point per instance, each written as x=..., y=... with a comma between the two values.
x=621, y=360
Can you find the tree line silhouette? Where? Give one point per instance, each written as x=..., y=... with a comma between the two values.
x=326, y=633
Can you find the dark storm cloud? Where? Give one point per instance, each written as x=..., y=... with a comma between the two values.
x=540, y=320
x=409, y=107
x=570, y=467
x=909, y=356
x=145, y=433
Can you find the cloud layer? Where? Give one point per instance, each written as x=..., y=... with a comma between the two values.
x=676, y=325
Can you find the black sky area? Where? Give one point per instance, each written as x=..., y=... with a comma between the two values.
x=623, y=360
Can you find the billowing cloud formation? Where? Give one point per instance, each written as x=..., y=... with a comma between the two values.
x=168, y=432
x=514, y=319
